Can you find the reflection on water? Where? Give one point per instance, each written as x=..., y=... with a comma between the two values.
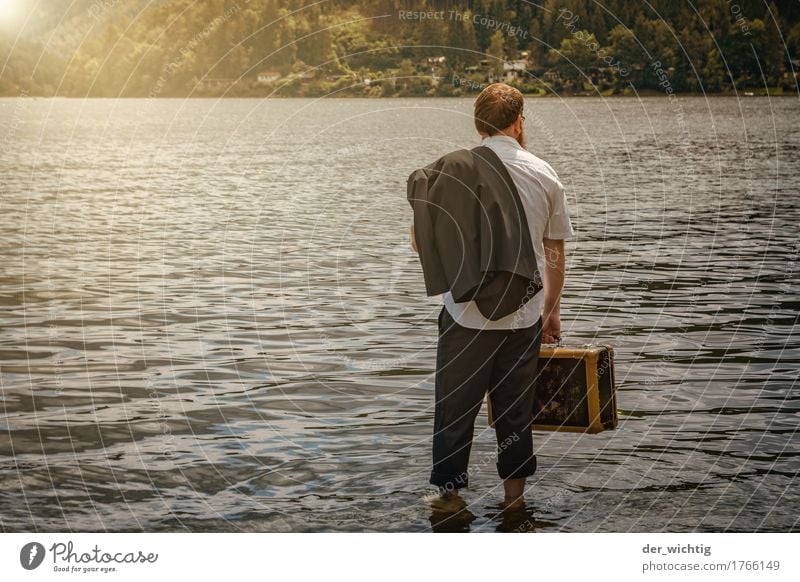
x=212, y=320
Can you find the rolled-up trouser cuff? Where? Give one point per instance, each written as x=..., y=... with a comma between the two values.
x=449, y=482
x=515, y=470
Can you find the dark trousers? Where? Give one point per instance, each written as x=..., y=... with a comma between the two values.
x=470, y=362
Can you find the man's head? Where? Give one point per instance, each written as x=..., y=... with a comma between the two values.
x=498, y=110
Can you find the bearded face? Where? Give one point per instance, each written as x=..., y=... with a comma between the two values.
x=521, y=136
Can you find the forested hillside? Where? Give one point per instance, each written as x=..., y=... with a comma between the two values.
x=171, y=48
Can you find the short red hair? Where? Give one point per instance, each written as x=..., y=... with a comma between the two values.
x=497, y=107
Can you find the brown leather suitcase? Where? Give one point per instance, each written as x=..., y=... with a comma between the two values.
x=575, y=390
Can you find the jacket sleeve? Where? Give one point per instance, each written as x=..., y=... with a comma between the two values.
x=431, y=261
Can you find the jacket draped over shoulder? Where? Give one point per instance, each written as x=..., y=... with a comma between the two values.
x=471, y=231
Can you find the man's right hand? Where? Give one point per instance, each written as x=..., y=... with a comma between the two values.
x=551, y=329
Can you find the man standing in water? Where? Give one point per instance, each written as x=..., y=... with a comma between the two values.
x=476, y=354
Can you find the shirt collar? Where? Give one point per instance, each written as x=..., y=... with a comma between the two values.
x=500, y=139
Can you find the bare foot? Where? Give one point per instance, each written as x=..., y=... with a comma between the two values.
x=449, y=503
x=514, y=492
x=513, y=503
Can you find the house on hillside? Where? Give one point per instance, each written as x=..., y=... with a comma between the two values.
x=514, y=69
x=268, y=76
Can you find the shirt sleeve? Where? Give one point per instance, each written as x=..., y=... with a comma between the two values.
x=559, y=226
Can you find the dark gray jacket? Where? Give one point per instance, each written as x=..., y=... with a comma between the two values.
x=472, y=235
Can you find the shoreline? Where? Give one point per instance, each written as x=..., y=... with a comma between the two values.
x=643, y=94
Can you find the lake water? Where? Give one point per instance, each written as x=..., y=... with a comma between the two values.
x=211, y=319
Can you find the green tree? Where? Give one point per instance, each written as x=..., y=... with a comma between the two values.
x=576, y=56
x=496, y=53
x=737, y=48
x=461, y=36
x=771, y=51
x=713, y=72
x=624, y=48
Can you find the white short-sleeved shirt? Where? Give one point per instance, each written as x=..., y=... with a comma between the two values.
x=545, y=204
